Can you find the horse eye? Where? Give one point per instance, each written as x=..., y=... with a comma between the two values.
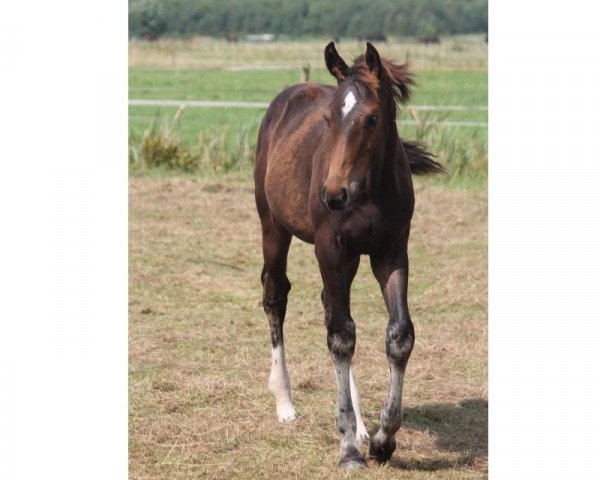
x=371, y=122
x=327, y=120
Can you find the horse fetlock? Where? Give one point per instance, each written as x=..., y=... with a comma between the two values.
x=279, y=383
x=390, y=421
x=382, y=446
x=351, y=458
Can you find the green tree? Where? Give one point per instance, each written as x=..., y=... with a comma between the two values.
x=348, y=18
x=147, y=18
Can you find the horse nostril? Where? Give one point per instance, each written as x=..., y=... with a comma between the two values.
x=343, y=196
x=339, y=201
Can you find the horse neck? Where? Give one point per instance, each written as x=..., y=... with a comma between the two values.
x=384, y=174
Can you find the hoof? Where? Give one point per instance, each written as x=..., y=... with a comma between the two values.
x=286, y=414
x=289, y=418
x=351, y=465
x=381, y=452
x=352, y=459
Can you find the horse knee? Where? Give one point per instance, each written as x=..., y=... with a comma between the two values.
x=326, y=309
x=341, y=338
x=400, y=340
x=275, y=293
x=324, y=299
x=275, y=303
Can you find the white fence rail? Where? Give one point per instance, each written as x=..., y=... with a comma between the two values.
x=196, y=103
x=134, y=102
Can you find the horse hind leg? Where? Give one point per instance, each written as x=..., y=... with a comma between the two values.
x=276, y=286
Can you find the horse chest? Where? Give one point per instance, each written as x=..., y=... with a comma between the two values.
x=365, y=232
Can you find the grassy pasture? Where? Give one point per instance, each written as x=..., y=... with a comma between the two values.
x=200, y=344
x=461, y=52
x=199, y=348
x=205, y=69
x=435, y=88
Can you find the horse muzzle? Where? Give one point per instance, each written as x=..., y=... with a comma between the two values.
x=337, y=199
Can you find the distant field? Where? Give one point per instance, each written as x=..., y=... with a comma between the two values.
x=434, y=88
x=462, y=52
x=453, y=73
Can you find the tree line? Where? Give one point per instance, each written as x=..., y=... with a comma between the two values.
x=295, y=18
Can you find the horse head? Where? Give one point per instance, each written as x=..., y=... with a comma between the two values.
x=361, y=120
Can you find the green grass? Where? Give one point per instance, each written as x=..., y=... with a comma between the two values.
x=222, y=140
x=199, y=406
x=434, y=88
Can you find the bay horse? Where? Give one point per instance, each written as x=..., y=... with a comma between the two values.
x=332, y=171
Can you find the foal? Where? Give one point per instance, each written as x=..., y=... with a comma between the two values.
x=331, y=170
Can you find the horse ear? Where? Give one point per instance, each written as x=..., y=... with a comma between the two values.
x=336, y=66
x=373, y=60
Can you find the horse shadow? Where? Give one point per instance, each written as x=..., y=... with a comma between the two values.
x=461, y=429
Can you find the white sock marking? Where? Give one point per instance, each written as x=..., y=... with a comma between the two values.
x=361, y=432
x=349, y=103
x=279, y=384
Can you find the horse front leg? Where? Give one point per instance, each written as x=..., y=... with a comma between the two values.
x=362, y=436
x=337, y=272
x=392, y=275
x=276, y=287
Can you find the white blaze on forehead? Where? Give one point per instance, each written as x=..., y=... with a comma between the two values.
x=349, y=103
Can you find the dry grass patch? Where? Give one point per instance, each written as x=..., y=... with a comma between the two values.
x=200, y=345
x=467, y=52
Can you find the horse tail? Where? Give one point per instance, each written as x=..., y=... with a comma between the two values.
x=420, y=160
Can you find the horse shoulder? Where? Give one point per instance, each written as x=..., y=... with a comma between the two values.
x=293, y=140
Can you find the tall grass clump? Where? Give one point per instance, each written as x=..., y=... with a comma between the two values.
x=462, y=151
x=161, y=147
x=221, y=151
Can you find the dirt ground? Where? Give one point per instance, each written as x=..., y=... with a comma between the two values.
x=199, y=344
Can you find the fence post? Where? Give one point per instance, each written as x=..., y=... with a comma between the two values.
x=305, y=73
x=415, y=116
